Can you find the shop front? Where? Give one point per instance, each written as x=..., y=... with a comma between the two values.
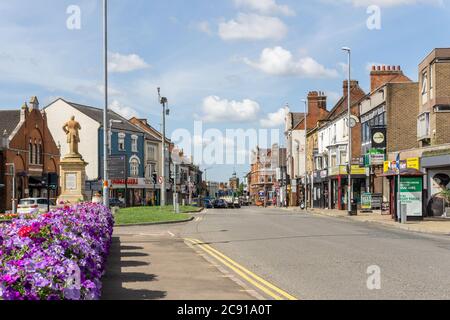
x=321, y=190
x=338, y=185
x=437, y=168
x=135, y=191
x=412, y=191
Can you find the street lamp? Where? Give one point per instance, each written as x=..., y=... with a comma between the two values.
x=163, y=101
x=349, y=149
x=105, y=112
x=306, y=147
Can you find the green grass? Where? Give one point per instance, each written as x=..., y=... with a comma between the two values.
x=141, y=215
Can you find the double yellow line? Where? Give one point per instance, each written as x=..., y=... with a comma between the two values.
x=266, y=287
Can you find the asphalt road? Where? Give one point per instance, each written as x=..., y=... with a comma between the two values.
x=313, y=257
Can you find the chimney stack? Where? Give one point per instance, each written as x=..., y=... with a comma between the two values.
x=380, y=75
x=353, y=84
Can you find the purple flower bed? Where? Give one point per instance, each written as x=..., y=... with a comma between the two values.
x=60, y=255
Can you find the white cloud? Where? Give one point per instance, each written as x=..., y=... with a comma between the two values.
x=204, y=27
x=125, y=63
x=391, y=3
x=275, y=119
x=253, y=27
x=279, y=61
x=265, y=7
x=124, y=111
x=216, y=109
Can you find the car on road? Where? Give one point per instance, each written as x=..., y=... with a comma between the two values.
x=220, y=204
x=34, y=205
x=237, y=204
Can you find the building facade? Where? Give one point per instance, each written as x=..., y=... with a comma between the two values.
x=386, y=117
x=29, y=154
x=332, y=154
x=296, y=142
x=433, y=130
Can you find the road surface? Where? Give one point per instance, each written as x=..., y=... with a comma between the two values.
x=314, y=257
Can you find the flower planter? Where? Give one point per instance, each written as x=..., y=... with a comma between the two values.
x=60, y=255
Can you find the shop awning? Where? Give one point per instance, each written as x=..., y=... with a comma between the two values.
x=409, y=172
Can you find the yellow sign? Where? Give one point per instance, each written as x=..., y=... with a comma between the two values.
x=387, y=165
x=413, y=163
x=357, y=170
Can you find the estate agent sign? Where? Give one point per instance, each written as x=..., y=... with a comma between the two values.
x=411, y=195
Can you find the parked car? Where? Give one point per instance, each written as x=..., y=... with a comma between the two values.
x=114, y=202
x=220, y=204
x=237, y=204
x=34, y=205
x=208, y=204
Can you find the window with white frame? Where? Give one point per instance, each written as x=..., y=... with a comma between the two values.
x=423, y=126
x=121, y=141
x=151, y=152
x=134, y=167
x=134, y=143
x=431, y=81
x=424, y=87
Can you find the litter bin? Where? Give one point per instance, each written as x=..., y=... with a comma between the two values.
x=354, y=211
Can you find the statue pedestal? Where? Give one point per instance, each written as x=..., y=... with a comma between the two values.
x=73, y=179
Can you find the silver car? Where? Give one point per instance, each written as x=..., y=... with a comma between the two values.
x=33, y=205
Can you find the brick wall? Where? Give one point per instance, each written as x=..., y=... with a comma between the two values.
x=442, y=81
x=403, y=108
x=442, y=128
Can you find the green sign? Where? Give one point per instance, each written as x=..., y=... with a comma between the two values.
x=366, y=201
x=411, y=189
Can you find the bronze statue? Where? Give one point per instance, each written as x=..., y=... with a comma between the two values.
x=72, y=128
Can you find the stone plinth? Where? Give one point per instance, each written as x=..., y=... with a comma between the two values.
x=73, y=178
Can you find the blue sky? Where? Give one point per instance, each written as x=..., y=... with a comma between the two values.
x=250, y=56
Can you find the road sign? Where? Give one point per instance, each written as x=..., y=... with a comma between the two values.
x=117, y=167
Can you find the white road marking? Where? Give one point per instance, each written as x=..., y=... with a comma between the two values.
x=171, y=234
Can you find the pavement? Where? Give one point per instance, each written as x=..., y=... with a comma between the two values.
x=439, y=226
x=151, y=263
x=275, y=254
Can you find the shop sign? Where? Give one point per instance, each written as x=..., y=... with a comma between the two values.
x=376, y=159
x=410, y=163
x=411, y=195
x=413, y=163
x=324, y=174
x=387, y=165
x=366, y=201
x=379, y=137
x=357, y=170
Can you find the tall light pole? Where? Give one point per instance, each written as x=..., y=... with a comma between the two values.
x=105, y=112
x=306, y=147
x=163, y=101
x=349, y=151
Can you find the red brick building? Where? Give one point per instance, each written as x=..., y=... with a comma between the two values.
x=28, y=147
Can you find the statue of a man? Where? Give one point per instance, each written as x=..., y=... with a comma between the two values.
x=72, y=128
